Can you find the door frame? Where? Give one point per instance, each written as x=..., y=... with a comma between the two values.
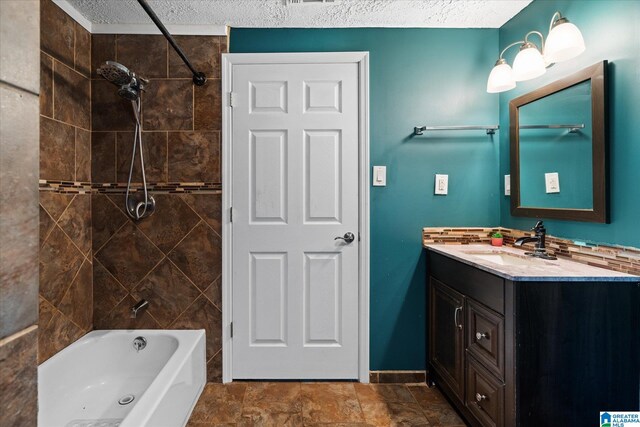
x=228, y=61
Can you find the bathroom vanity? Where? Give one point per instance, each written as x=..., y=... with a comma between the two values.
x=519, y=341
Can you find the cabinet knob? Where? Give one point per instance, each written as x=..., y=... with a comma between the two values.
x=480, y=397
x=480, y=335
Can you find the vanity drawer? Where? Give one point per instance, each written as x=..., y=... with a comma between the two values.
x=485, y=395
x=470, y=281
x=485, y=337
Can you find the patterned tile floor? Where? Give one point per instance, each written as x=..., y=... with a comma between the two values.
x=322, y=404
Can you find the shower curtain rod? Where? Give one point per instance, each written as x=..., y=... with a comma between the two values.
x=198, y=77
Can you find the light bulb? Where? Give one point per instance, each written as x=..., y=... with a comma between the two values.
x=501, y=78
x=529, y=63
x=563, y=42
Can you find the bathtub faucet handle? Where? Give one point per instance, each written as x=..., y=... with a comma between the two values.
x=142, y=304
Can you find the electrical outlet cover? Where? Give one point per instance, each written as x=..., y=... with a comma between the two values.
x=442, y=184
x=507, y=185
x=552, y=182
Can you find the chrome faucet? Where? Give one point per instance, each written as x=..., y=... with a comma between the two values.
x=540, y=234
x=140, y=305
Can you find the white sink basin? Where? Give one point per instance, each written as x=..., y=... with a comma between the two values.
x=505, y=258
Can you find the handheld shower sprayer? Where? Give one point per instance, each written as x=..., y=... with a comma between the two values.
x=130, y=83
x=130, y=87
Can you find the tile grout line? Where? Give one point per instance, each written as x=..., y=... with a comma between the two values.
x=188, y=279
x=75, y=154
x=112, y=276
x=180, y=241
x=52, y=306
x=68, y=287
x=418, y=403
x=64, y=123
x=133, y=288
x=172, y=322
x=205, y=295
x=95, y=252
x=84, y=255
x=52, y=228
x=364, y=417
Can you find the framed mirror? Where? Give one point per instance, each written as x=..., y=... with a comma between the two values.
x=558, y=149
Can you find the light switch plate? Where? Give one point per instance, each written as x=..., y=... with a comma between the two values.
x=507, y=185
x=552, y=182
x=442, y=184
x=379, y=176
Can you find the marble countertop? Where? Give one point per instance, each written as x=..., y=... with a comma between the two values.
x=532, y=270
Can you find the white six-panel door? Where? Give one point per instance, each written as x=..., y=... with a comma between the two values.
x=295, y=189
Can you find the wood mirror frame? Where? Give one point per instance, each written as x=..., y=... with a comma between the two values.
x=599, y=213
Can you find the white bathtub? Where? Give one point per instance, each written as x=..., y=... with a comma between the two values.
x=81, y=386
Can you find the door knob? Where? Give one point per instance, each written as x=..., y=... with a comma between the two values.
x=348, y=237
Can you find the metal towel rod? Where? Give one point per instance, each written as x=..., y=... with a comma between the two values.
x=572, y=128
x=491, y=129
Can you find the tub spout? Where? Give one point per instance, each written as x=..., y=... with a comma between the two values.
x=141, y=305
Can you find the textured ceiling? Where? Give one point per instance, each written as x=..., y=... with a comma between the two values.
x=276, y=13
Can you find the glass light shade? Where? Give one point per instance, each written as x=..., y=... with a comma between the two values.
x=563, y=42
x=528, y=64
x=501, y=78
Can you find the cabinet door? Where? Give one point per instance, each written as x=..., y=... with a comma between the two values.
x=446, y=335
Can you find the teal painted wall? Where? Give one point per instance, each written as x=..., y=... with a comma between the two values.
x=611, y=31
x=417, y=76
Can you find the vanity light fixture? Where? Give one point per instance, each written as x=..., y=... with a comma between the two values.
x=529, y=62
x=564, y=41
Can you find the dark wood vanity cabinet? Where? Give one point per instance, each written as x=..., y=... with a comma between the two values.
x=446, y=340
x=527, y=353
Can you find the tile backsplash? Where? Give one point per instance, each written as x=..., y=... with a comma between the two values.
x=611, y=257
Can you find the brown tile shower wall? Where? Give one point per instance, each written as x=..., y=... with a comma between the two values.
x=19, y=81
x=173, y=258
x=66, y=288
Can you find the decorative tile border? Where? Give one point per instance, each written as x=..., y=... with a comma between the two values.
x=65, y=186
x=616, y=258
x=87, y=188
x=171, y=187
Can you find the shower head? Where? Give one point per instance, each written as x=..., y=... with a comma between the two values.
x=116, y=73
x=119, y=75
